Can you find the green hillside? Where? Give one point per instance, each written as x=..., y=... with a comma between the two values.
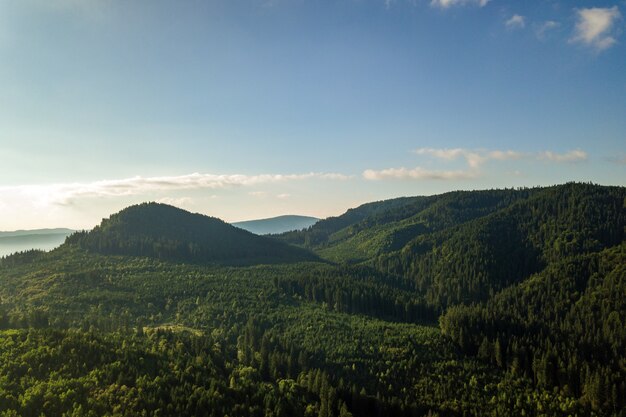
x=89, y=334
x=485, y=303
x=471, y=260
x=166, y=232
x=563, y=327
x=464, y=246
x=381, y=227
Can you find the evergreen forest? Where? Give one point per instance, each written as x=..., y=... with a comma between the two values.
x=506, y=302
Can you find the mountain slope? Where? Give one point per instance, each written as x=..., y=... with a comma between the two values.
x=529, y=280
x=473, y=260
x=461, y=247
x=381, y=227
x=166, y=232
x=275, y=225
x=563, y=327
x=192, y=340
x=528, y=287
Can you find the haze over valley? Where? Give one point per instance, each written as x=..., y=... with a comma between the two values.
x=22, y=240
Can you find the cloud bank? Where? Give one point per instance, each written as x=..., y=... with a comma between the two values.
x=474, y=158
x=416, y=174
x=65, y=194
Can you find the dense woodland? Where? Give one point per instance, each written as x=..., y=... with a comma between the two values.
x=166, y=232
x=485, y=303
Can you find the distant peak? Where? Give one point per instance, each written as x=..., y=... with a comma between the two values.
x=279, y=224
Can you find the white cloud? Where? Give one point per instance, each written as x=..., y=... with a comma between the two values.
x=474, y=158
x=448, y=154
x=546, y=27
x=575, y=155
x=594, y=27
x=444, y=4
x=416, y=174
x=178, y=202
x=69, y=192
x=516, y=22
x=283, y=196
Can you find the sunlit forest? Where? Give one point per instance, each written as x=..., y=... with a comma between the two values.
x=504, y=302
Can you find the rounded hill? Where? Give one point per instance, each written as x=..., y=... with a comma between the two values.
x=166, y=232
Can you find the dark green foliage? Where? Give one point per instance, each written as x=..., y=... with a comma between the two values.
x=358, y=290
x=407, y=216
x=166, y=232
x=473, y=260
x=229, y=341
x=320, y=232
x=528, y=286
x=563, y=327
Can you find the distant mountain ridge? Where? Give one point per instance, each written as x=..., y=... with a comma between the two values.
x=59, y=230
x=22, y=240
x=166, y=232
x=275, y=225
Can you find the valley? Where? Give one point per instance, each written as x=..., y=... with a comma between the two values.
x=497, y=302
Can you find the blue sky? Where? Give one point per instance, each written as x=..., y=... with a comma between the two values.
x=248, y=109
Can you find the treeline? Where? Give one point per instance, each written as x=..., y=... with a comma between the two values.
x=529, y=286
x=75, y=374
x=433, y=212
x=320, y=232
x=180, y=373
x=473, y=261
x=351, y=292
x=165, y=232
x=20, y=258
x=136, y=336
x=562, y=328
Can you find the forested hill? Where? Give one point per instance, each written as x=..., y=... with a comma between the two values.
x=531, y=280
x=554, y=220
x=471, y=260
x=166, y=232
x=374, y=228
x=482, y=303
x=463, y=247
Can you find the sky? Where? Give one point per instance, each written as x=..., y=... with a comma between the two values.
x=251, y=109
